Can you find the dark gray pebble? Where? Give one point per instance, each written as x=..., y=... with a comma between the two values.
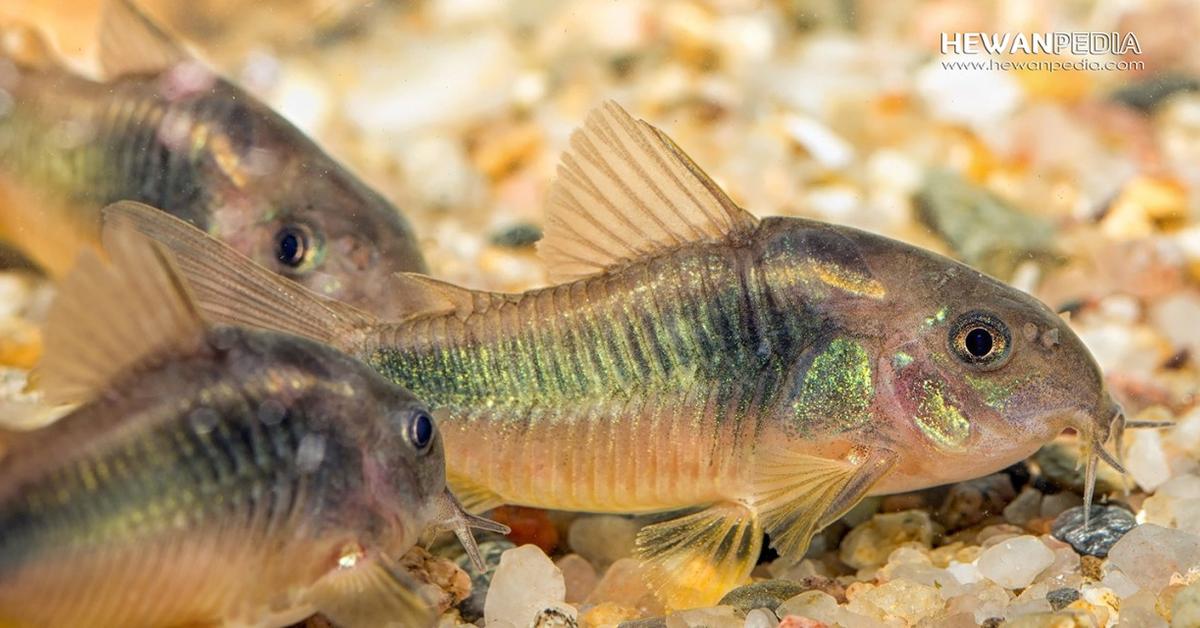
x=554, y=618
x=1109, y=523
x=517, y=236
x=1062, y=598
x=767, y=594
x=653, y=622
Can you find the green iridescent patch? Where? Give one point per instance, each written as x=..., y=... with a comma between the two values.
x=837, y=389
x=996, y=393
x=939, y=419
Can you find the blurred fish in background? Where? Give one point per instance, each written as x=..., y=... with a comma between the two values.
x=164, y=129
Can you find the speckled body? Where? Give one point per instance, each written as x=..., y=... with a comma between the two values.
x=652, y=387
x=202, y=149
x=216, y=487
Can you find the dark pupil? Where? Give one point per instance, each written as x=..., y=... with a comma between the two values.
x=979, y=342
x=290, y=247
x=422, y=431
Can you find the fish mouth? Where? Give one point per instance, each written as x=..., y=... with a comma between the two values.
x=1095, y=434
x=451, y=516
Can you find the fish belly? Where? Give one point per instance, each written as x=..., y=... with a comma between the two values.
x=621, y=457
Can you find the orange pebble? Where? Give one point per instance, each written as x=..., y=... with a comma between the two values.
x=529, y=526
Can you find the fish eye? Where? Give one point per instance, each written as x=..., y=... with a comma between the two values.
x=294, y=245
x=980, y=339
x=421, y=431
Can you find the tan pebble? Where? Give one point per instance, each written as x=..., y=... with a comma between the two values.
x=607, y=614
x=1144, y=206
x=453, y=584
x=1092, y=567
x=20, y=343
x=501, y=150
x=1062, y=619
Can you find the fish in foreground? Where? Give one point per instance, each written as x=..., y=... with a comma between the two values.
x=212, y=474
x=163, y=129
x=763, y=374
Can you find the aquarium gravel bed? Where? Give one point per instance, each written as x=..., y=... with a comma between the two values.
x=1080, y=187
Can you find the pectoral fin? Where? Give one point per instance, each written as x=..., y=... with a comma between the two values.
x=796, y=494
x=693, y=560
x=371, y=594
x=474, y=497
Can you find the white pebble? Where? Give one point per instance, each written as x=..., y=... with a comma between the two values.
x=1146, y=460
x=974, y=97
x=761, y=618
x=823, y=144
x=716, y=617
x=1014, y=563
x=1150, y=555
x=525, y=582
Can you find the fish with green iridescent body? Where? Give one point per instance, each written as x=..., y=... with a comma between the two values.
x=762, y=375
x=211, y=475
x=165, y=130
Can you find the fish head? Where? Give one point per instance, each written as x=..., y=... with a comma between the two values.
x=404, y=462
x=283, y=202
x=976, y=375
x=341, y=240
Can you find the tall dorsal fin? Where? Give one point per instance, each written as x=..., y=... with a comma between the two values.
x=110, y=317
x=131, y=43
x=624, y=191
x=27, y=47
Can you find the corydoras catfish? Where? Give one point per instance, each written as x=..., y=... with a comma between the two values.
x=767, y=373
x=212, y=475
x=164, y=129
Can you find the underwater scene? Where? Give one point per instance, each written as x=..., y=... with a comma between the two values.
x=599, y=313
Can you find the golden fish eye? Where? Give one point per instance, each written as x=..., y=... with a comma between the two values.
x=980, y=339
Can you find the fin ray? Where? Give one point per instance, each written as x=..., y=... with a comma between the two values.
x=371, y=595
x=232, y=289
x=131, y=43
x=108, y=317
x=474, y=497
x=797, y=494
x=624, y=190
x=693, y=560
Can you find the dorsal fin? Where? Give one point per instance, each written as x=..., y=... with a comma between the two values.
x=27, y=47
x=131, y=43
x=624, y=191
x=230, y=288
x=109, y=317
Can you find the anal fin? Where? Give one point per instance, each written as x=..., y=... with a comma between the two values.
x=797, y=494
x=693, y=560
x=371, y=594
